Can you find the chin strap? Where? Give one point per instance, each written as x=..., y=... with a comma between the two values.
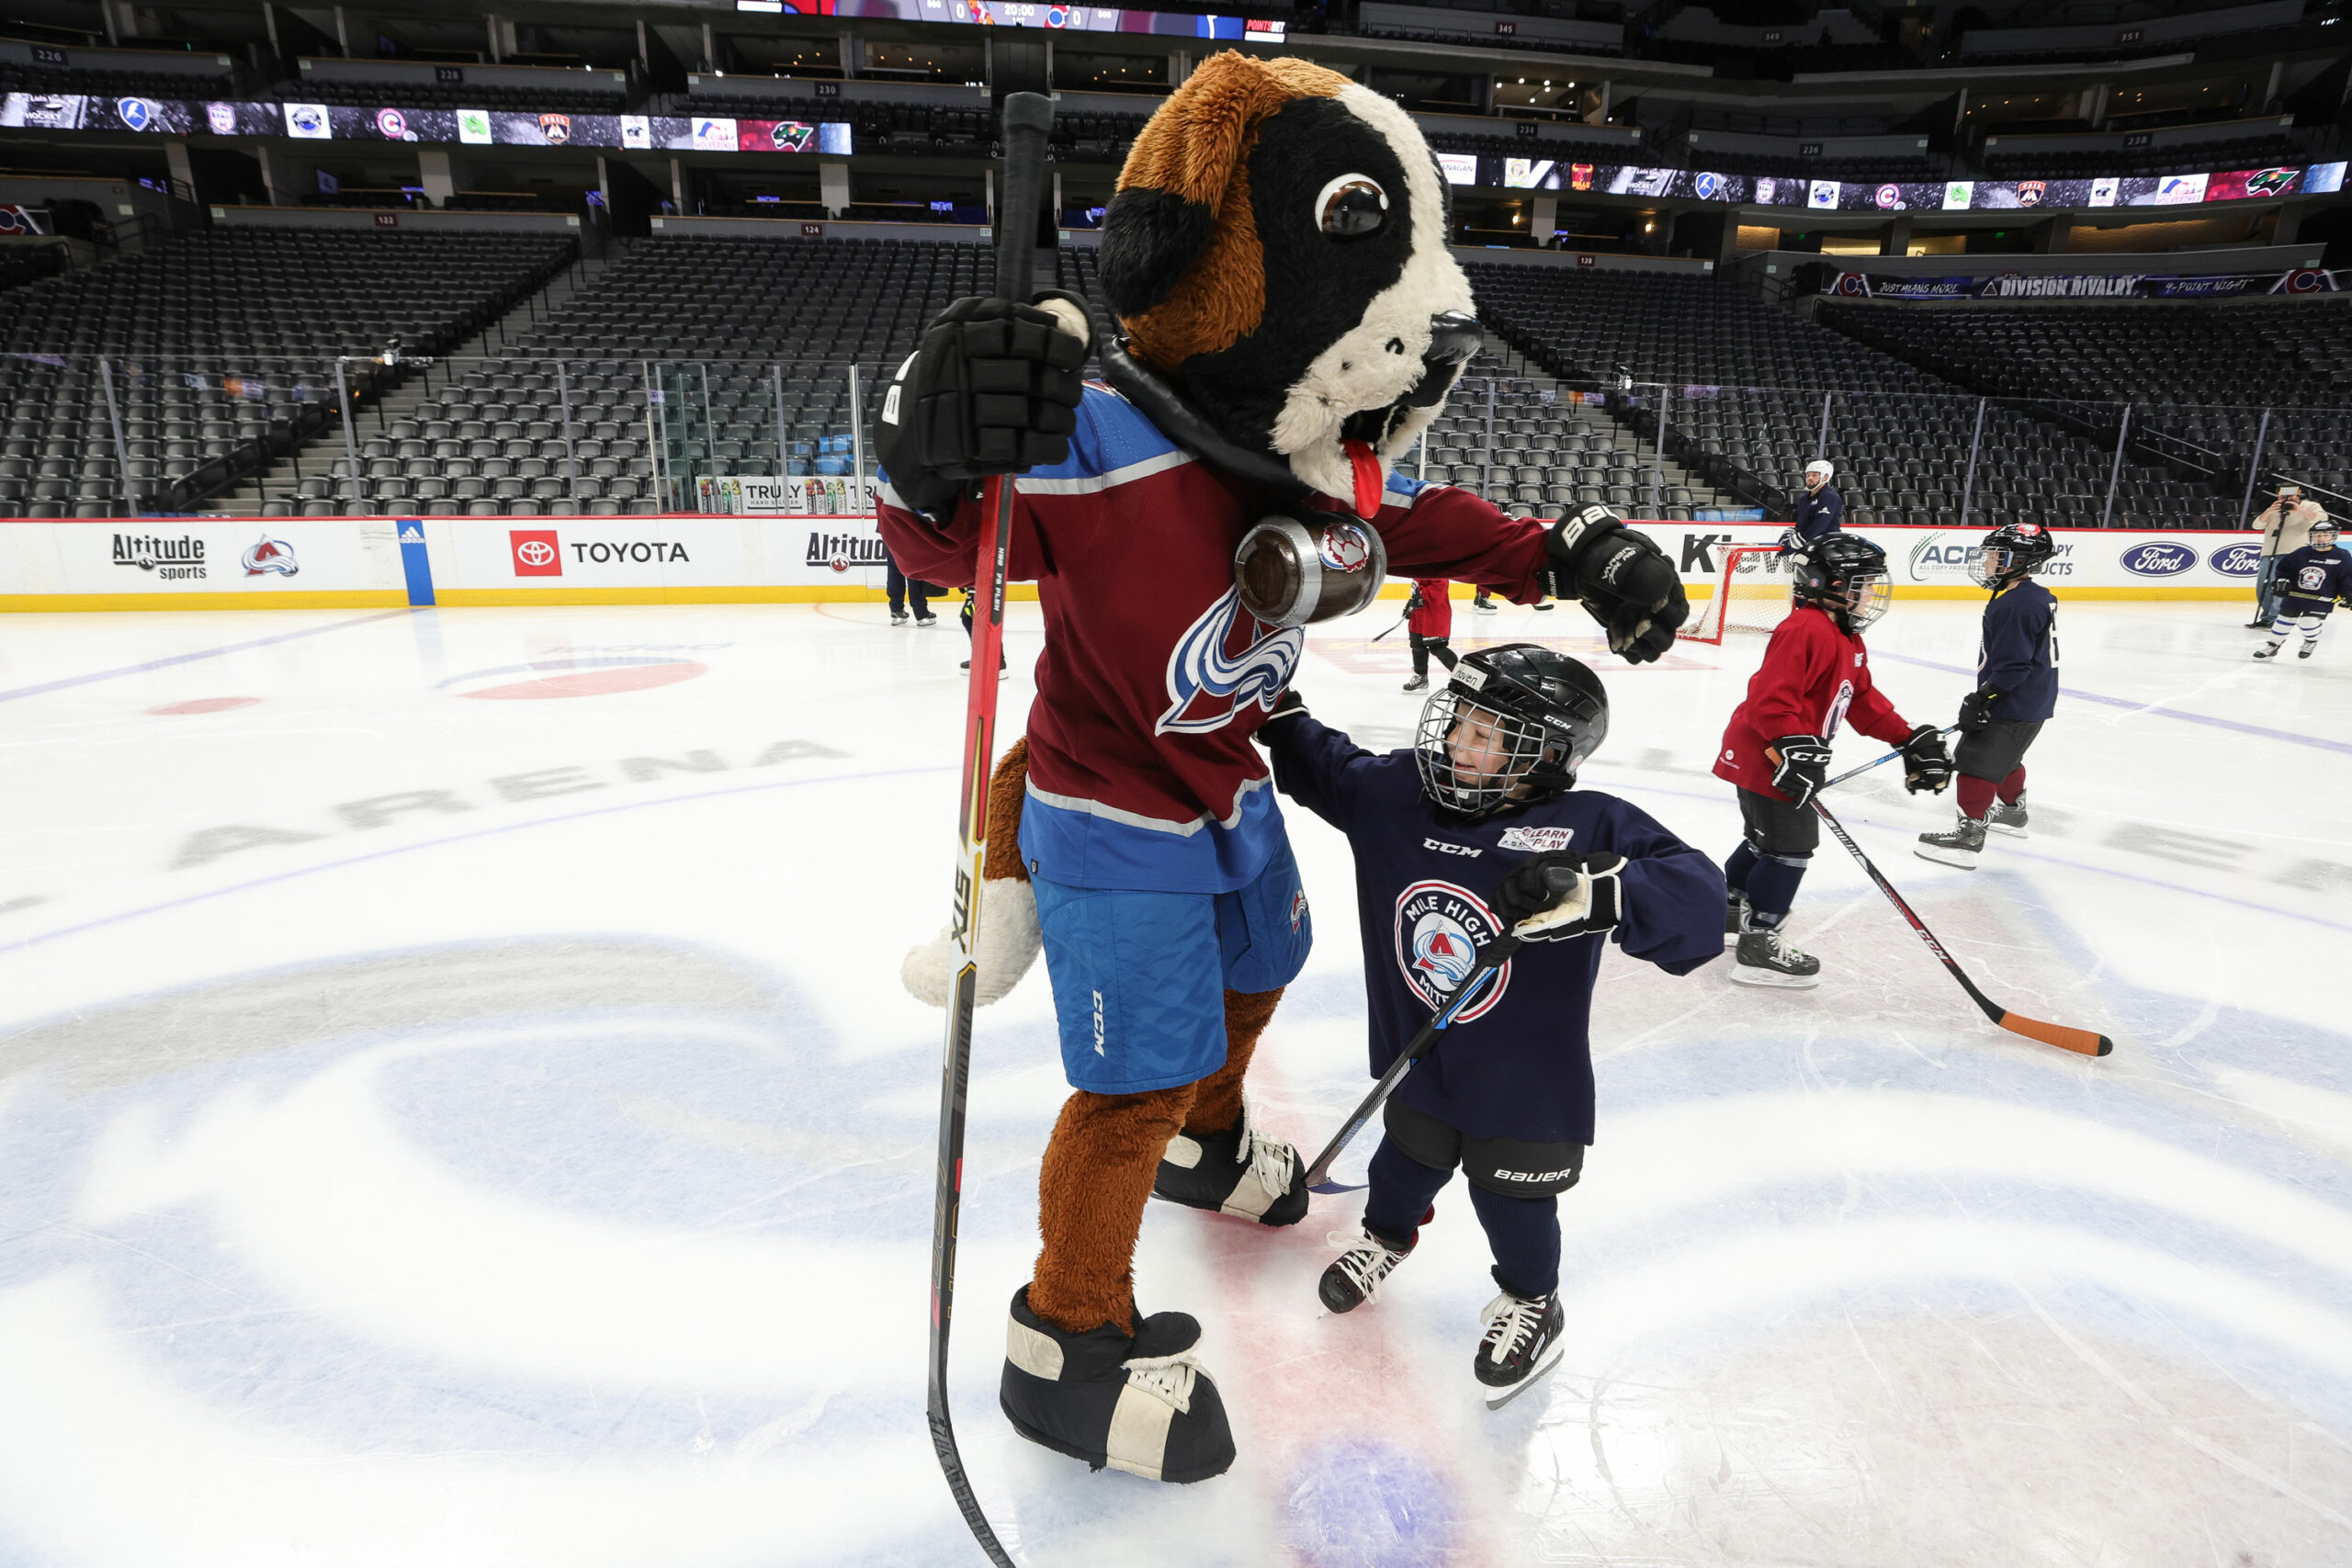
x=1185, y=425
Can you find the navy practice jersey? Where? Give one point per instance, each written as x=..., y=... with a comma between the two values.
x=2317, y=577
x=1819, y=511
x=2018, y=655
x=1517, y=1063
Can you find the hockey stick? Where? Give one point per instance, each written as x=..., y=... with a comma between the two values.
x=1027, y=118
x=2081, y=1041
x=1489, y=963
x=1874, y=762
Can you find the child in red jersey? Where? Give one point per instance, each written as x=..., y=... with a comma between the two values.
x=1776, y=749
x=1429, y=622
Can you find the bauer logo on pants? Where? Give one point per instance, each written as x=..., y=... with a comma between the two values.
x=1440, y=928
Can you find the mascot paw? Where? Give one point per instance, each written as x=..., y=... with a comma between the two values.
x=1141, y=1402
x=1009, y=944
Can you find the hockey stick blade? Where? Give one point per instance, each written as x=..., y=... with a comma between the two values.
x=1027, y=119
x=2081, y=1041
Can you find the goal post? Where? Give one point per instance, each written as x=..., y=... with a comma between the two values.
x=1751, y=594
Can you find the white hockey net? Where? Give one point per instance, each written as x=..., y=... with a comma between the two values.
x=1751, y=594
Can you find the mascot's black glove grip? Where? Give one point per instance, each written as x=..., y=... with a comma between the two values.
x=993, y=388
x=1622, y=580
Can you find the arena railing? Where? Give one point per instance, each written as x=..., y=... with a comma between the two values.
x=515, y=435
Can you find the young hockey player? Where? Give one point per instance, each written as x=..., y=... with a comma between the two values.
x=1776, y=749
x=2017, y=688
x=1429, y=622
x=2310, y=580
x=1485, y=799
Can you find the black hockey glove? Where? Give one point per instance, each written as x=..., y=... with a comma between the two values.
x=993, y=388
x=1976, y=711
x=1622, y=578
x=1805, y=763
x=1288, y=707
x=1926, y=765
x=1572, y=894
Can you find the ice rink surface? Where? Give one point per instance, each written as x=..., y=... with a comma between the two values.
x=458, y=1106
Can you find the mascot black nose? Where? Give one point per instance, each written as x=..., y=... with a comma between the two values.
x=1453, y=338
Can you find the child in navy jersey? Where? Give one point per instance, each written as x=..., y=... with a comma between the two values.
x=1452, y=840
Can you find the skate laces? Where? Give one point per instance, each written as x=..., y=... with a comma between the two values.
x=1782, y=948
x=1168, y=1379
x=1512, y=1322
x=1364, y=1258
x=1270, y=1158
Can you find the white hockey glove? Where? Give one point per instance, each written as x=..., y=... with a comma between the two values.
x=1530, y=904
x=1009, y=942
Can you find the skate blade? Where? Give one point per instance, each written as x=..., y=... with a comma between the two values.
x=1498, y=1397
x=1745, y=976
x=2012, y=833
x=1961, y=858
x=1333, y=1188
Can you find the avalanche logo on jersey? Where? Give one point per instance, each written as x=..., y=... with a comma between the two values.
x=1209, y=680
x=1440, y=928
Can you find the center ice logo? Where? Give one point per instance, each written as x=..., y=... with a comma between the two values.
x=1209, y=682
x=1439, y=930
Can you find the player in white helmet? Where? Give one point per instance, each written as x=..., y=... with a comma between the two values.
x=1821, y=510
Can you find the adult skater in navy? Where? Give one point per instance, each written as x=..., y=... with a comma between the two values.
x=1820, y=511
x=2017, y=690
x=2310, y=581
x=1485, y=800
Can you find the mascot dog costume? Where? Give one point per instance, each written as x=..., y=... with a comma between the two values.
x=1276, y=258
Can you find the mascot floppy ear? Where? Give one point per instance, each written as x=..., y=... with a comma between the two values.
x=1180, y=262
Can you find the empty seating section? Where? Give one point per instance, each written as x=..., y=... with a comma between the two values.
x=1748, y=382
x=219, y=351
x=2198, y=375
x=490, y=441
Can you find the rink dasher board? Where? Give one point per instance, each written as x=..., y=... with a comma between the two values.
x=691, y=558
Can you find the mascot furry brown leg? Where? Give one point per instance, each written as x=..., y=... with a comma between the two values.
x=1291, y=320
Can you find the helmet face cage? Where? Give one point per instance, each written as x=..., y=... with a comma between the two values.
x=1868, y=595
x=1516, y=747
x=1993, y=563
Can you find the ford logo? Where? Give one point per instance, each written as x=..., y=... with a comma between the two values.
x=2158, y=560
x=2236, y=560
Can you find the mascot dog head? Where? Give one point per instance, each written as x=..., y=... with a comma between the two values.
x=1277, y=249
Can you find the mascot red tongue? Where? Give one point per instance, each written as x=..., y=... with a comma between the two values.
x=1367, y=475
x=1276, y=260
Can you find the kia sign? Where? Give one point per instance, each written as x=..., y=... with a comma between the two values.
x=2158, y=560
x=2236, y=560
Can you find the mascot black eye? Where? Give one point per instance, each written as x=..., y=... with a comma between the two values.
x=1351, y=207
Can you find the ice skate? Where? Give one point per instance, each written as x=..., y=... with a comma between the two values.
x=898, y=617
x=2270, y=651
x=1960, y=845
x=2307, y=650
x=1355, y=1276
x=2007, y=816
x=1141, y=1403
x=1735, y=917
x=1522, y=1343
x=1242, y=1172
x=1483, y=606
x=1417, y=684
x=1767, y=958
x=925, y=618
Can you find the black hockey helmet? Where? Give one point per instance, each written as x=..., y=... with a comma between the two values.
x=1510, y=725
x=2011, y=552
x=1845, y=574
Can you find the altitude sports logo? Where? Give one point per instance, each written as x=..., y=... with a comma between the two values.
x=1438, y=928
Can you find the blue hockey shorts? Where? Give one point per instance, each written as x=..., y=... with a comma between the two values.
x=1140, y=978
